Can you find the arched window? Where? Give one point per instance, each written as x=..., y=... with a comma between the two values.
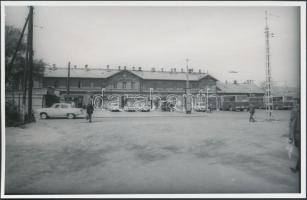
x=124, y=85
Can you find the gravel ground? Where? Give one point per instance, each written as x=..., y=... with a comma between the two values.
x=125, y=153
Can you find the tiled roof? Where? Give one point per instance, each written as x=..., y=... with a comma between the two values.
x=238, y=88
x=148, y=75
x=105, y=73
x=285, y=91
x=79, y=73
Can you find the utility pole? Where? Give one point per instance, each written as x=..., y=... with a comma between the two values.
x=268, y=89
x=25, y=82
x=188, y=102
x=187, y=75
x=68, y=78
x=207, y=99
x=30, y=51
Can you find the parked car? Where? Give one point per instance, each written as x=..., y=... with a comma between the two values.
x=60, y=110
x=201, y=107
x=145, y=109
x=114, y=107
x=129, y=108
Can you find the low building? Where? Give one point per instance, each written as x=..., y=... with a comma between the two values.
x=247, y=88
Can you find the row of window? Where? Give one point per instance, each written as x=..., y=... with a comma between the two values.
x=124, y=85
x=76, y=84
x=114, y=85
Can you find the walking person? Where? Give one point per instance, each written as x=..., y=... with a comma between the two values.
x=89, y=111
x=210, y=108
x=294, y=134
x=251, y=113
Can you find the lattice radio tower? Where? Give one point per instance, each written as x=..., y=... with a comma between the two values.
x=268, y=85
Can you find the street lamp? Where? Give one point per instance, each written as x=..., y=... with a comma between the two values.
x=150, y=97
x=102, y=92
x=188, y=106
x=207, y=103
x=187, y=76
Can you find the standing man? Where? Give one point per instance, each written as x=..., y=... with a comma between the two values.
x=251, y=113
x=294, y=133
x=89, y=111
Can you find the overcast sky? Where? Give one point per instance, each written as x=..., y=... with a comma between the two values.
x=217, y=39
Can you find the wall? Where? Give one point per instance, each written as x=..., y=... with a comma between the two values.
x=208, y=82
x=121, y=78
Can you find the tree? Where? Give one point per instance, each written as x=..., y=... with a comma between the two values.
x=12, y=35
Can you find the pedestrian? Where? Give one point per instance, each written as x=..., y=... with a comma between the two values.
x=89, y=111
x=295, y=133
x=210, y=108
x=251, y=113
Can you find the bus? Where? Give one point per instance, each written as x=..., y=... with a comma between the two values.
x=258, y=102
x=234, y=102
x=283, y=102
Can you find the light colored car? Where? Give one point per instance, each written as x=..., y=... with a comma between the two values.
x=145, y=108
x=114, y=107
x=60, y=110
x=200, y=107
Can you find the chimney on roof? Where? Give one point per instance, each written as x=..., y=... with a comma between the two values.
x=199, y=71
x=125, y=67
x=140, y=68
x=174, y=69
x=162, y=69
x=249, y=81
x=182, y=70
x=118, y=67
x=108, y=67
x=86, y=67
x=75, y=66
x=190, y=70
x=133, y=68
x=153, y=69
x=53, y=66
x=235, y=82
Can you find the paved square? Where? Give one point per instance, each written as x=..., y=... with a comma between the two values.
x=157, y=152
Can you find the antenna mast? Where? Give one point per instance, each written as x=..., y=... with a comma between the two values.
x=268, y=88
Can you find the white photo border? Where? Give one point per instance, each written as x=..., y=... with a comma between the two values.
x=301, y=4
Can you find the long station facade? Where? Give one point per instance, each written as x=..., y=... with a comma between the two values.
x=122, y=84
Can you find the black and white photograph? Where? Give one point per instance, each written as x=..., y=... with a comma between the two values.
x=153, y=99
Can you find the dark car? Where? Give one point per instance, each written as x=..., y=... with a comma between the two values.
x=167, y=107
